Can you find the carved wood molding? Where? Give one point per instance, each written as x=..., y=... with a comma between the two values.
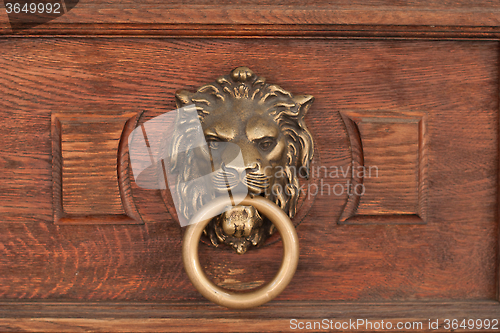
x=396, y=142
x=274, y=316
x=91, y=169
x=436, y=13
x=207, y=30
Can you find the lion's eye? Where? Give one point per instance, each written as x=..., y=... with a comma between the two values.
x=267, y=144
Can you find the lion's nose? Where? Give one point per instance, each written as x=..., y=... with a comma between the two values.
x=241, y=170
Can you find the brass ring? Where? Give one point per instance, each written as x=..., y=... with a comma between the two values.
x=228, y=298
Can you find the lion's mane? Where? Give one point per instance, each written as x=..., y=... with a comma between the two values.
x=287, y=111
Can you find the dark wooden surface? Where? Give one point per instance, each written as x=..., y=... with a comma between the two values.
x=447, y=267
x=457, y=87
x=203, y=317
x=442, y=19
x=90, y=168
x=467, y=13
x=389, y=167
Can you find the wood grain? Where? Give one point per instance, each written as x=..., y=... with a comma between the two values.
x=127, y=56
x=260, y=19
x=204, y=317
x=439, y=13
x=260, y=31
x=389, y=167
x=89, y=147
x=90, y=168
x=452, y=257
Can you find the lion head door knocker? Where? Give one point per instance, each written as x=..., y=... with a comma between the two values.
x=231, y=157
x=267, y=123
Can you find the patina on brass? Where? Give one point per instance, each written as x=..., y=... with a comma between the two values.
x=267, y=123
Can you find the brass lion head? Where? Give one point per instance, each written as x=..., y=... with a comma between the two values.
x=267, y=123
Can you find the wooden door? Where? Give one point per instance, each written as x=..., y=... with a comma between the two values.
x=407, y=91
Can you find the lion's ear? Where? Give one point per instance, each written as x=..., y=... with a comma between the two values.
x=304, y=102
x=183, y=98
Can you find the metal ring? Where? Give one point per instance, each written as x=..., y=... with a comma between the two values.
x=228, y=298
